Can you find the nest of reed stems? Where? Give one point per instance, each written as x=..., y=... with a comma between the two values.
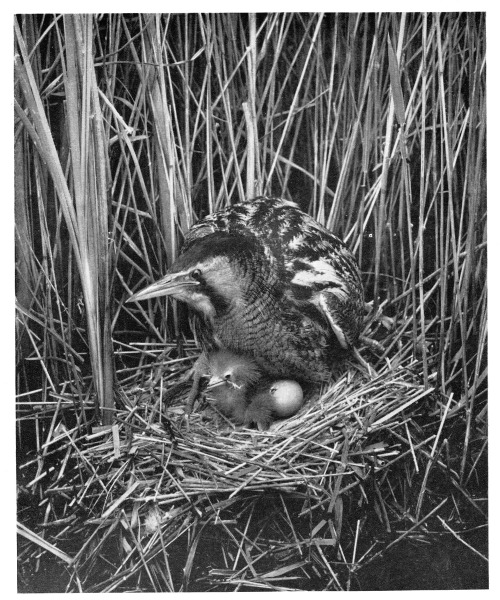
x=155, y=481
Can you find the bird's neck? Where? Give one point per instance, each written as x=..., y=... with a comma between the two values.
x=243, y=301
x=243, y=285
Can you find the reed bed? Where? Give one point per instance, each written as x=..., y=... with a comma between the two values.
x=128, y=129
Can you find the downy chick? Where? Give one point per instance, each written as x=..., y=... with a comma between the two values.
x=232, y=378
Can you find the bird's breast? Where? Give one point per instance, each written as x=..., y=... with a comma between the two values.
x=285, y=343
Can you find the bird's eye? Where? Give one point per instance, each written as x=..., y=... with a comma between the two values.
x=227, y=376
x=196, y=274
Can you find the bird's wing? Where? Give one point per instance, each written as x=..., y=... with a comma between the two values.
x=321, y=268
x=333, y=286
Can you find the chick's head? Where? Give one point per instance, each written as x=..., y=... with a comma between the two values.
x=232, y=370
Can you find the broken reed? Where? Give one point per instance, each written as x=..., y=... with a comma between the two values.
x=131, y=127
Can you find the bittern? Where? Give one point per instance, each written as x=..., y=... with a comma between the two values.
x=265, y=280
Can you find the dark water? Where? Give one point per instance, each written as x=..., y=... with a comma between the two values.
x=432, y=564
x=429, y=564
x=419, y=562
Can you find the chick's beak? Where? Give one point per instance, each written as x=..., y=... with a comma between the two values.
x=214, y=382
x=174, y=284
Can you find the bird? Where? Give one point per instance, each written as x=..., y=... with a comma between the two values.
x=241, y=391
x=264, y=279
x=232, y=377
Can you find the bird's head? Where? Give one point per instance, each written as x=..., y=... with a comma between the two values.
x=210, y=274
x=233, y=370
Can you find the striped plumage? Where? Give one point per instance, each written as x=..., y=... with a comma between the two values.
x=266, y=280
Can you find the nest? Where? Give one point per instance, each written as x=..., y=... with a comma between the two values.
x=207, y=454
x=156, y=477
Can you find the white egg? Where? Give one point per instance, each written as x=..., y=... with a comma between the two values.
x=287, y=397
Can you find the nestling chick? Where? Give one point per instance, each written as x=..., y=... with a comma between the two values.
x=242, y=392
x=232, y=378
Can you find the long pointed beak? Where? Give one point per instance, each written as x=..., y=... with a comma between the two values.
x=170, y=285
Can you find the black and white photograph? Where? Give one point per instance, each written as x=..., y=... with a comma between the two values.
x=251, y=326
